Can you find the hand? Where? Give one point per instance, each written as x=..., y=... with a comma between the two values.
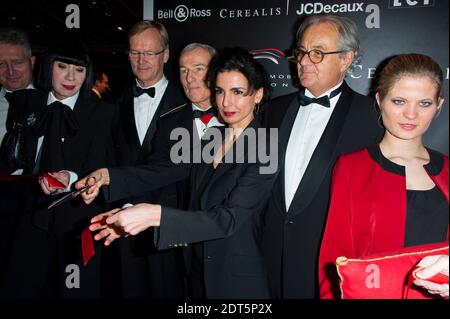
x=135, y=219
x=62, y=176
x=110, y=232
x=433, y=265
x=95, y=180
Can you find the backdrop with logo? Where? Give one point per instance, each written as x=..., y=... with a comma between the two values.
x=268, y=27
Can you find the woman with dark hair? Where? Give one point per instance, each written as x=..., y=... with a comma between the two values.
x=228, y=192
x=67, y=133
x=395, y=194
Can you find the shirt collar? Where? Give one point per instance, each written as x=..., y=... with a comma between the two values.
x=96, y=92
x=195, y=107
x=309, y=94
x=4, y=90
x=163, y=81
x=70, y=101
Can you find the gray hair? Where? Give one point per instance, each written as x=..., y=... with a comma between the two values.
x=195, y=45
x=348, y=33
x=16, y=37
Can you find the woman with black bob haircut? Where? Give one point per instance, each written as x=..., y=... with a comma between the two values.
x=70, y=53
x=67, y=133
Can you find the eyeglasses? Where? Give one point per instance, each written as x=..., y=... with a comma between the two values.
x=146, y=54
x=315, y=55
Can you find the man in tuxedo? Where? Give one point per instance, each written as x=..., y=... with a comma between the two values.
x=145, y=273
x=150, y=95
x=16, y=68
x=16, y=73
x=323, y=120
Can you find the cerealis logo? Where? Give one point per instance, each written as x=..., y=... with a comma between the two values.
x=270, y=54
x=181, y=13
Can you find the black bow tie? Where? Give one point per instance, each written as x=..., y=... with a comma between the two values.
x=138, y=91
x=8, y=96
x=304, y=100
x=199, y=113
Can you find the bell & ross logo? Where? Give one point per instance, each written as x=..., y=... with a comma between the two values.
x=181, y=13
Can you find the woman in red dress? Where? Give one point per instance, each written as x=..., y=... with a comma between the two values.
x=395, y=194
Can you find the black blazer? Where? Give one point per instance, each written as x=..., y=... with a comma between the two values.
x=51, y=238
x=158, y=170
x=226, y=222
x=292, y=238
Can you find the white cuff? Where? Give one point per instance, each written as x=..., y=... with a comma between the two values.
x=73, y=178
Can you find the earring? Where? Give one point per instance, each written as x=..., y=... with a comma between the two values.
x=256, y=110
x=438, y=112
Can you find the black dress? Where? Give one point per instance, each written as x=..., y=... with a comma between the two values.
x=426, y=217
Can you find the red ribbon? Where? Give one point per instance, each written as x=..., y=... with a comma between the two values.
x=52, y=182
x=87, y=245
x=87, y=242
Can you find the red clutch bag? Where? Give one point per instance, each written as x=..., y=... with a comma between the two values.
x=386, y=276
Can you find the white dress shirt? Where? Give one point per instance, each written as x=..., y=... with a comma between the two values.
x=4, y=107
x=145, y=107
x=309, y=125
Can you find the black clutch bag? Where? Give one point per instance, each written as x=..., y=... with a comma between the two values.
x=14, y=147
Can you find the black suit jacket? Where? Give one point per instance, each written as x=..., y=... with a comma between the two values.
x=292, y=238
x=50, y=239
x=158, y=170
x=129, y=149
x=225, y=222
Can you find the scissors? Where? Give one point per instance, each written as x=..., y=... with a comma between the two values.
x=68, y=197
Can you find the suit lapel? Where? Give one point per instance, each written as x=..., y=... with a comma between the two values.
x=323, y=155
x=147, y=142
x=128, y=121
x=32, y=140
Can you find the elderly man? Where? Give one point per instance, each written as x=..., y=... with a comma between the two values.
x=159, y=170
x=146, y=273
x=16, y=68
x=325, y=119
